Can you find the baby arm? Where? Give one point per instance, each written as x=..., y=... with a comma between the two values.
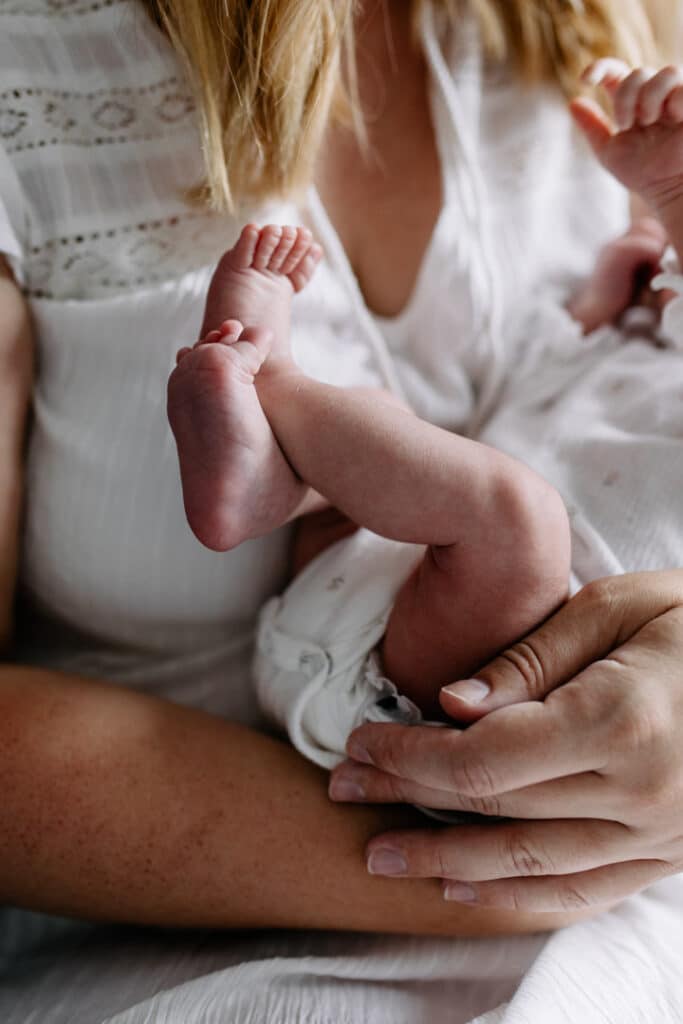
x=621, y=276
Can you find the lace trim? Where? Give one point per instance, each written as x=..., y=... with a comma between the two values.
x=108, y=261
x=50, y=8
x=36, y=118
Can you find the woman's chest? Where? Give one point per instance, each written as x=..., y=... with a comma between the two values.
x=383, y=194
x=384, y=215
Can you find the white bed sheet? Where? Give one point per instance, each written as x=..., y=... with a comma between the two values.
x=625, y=967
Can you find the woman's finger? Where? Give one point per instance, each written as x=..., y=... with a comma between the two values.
x=479, y=853
x=600, y=887
x=515, y=747
x=654, y=94
x=576, y=796
x=601, y=617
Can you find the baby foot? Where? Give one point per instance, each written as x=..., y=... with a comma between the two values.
x=255, y=280
x=236, y=482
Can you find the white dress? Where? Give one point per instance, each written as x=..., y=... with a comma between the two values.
x=98, y=145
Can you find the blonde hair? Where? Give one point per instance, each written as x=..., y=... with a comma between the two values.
x=267, y=72
x=557, y=39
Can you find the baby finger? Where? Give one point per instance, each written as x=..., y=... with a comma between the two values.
x=673, y=106
x=654, y=95
x=607, y=72
x=627, y=96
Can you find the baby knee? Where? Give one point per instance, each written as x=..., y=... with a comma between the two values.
x=520, y=542
x=534, y=549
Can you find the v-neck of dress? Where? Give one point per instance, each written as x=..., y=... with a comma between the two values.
x=330, y=239
x=460, y=234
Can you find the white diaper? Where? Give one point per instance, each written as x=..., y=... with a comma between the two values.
x=316, y=670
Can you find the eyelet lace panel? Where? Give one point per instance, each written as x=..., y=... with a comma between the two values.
x=108, y=262
x=35, y=118
x=45, y=8
x=99, y=133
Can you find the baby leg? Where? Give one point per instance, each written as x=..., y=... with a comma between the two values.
x=498, y=536
x=236, y=482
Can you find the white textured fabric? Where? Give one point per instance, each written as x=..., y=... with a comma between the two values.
x=602, y=420
x=99, y=127
x=115, y=264
x=672, y=317
x=623, y=968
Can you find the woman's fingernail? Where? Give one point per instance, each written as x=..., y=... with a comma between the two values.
x=459, y=892
x=342, y=788
x=358, y=752
x=469, y=691
x=386, y=861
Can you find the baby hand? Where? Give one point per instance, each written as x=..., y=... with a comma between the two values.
x=622, y=272
x=643, y=148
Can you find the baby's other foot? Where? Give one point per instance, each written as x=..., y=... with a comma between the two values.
x=236, y=482
x=255, y=281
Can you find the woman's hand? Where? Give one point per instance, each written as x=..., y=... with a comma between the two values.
x=577, y=736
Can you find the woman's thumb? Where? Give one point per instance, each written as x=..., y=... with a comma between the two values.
x=596, y=621
x=515, y=676
x=583, y=630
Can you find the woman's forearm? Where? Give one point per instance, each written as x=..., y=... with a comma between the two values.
x=123, y=807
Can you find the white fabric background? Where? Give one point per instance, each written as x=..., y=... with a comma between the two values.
x=622, y=968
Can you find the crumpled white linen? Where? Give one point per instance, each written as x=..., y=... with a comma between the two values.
x=624, y=967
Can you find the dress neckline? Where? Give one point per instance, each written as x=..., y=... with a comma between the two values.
x=455, y=113
x=333, y=244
